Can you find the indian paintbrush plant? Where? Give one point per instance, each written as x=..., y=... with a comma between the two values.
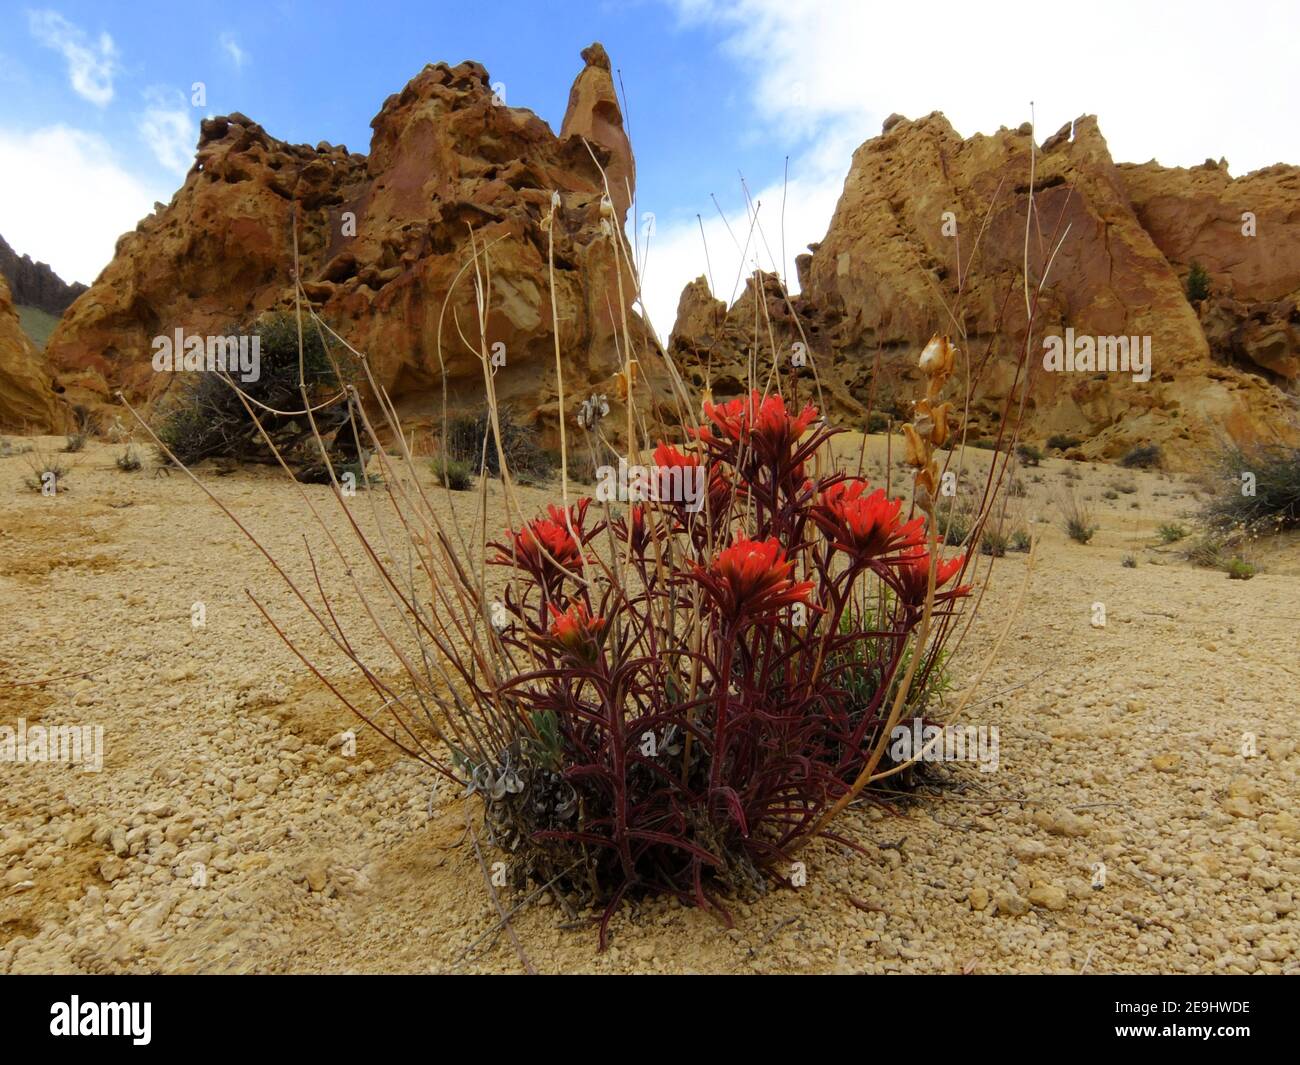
x=669, y=696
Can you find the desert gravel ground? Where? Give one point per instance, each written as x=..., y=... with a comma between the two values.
x=1124, y=830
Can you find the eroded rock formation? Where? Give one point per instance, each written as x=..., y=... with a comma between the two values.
x=33, y=284
x=385, y=248
x=27, y=404
x=931, y=226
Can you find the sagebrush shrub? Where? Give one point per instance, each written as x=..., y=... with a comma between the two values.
x=129, y=460
x=48, y=474
x=1259, y=489
x=994, y=542
x=1142, y=457
x=470, y=438
x=1076, y=519
x=1028, y=454
x=207, y=418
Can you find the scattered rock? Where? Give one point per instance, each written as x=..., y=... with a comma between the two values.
x=111, y=869
x=1048, y=897
x=1009, y=904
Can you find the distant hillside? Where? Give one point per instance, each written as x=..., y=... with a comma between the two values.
x=38, y=324
x=34, y=284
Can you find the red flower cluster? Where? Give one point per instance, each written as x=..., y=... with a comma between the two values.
x=866, y=527
x=913, y=576
x=547, y=547
x=752, y=576
x=762, y=422
x=576, y=631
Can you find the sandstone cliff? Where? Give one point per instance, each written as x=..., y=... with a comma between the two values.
x=27, y=404
x=930, y=231
x=33, y=284
x=384, y=241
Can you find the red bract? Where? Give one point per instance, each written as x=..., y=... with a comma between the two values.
x=576, y=631
x=633, y=530
x=666, y=455
x=913, y=576
x=754, y=577
x=866, y=527
x=545, y=547
x=762, y=422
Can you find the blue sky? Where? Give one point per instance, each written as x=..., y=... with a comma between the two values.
x=96, y=122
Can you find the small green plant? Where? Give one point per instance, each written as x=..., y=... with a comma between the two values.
x=1061, y=442
x=1128, y=562
x=1208, y=551
x=1028, y=454
x=1127, y=487
x=1198, y=283
x=877, y=422
x=1171, y=532
x=984, y=444
x=1239, y=569
x=49, y=475
x=953, y=520
x=1078, y=522
x=993, y=542
x=74, y=443
x=1110, y=493
x=454, y=474
x=1020, y=540
x=1142, y=457
x=129, y=461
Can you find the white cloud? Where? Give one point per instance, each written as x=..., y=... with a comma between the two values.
x=65, y=199
x=91, y=63
x=167, y=125
x=1177, y=84
x=231, y=47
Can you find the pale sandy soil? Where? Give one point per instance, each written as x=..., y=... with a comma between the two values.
x=1118, y=745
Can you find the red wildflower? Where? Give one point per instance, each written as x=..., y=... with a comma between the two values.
x=752, y=576
x=576, y=631
x=913, y=574
x=760, y=421
x=542, y=537
x=867, y=527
